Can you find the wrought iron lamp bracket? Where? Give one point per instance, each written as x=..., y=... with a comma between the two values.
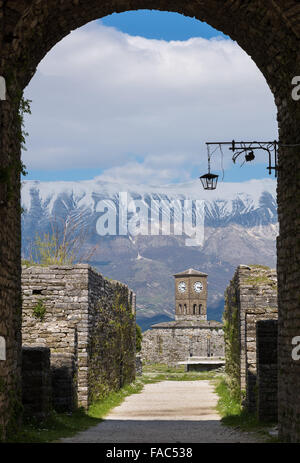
x=248, y=148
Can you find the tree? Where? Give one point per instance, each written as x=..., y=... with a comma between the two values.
x=64, y=245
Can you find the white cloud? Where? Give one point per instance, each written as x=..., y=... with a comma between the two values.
x=142, y=108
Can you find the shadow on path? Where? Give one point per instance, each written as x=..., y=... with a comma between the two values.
x=168, y=411
x=162, y=431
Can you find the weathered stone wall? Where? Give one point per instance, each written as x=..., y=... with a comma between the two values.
x=250, y=296
x=87, y=322
x=10, y=269
x=267, y=370
x=36, y=382
x=177, y=341
x=269, y=32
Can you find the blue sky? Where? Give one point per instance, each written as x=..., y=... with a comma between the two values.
x=134, y=105
x=160, y=25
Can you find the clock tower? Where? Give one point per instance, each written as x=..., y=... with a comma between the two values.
x=191, y=295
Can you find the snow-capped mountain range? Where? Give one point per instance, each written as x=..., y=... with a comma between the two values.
x=148, y=229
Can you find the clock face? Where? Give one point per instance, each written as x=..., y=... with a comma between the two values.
x=182, y=287
x=198, y=286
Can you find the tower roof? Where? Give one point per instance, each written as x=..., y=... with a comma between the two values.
x=190, y=271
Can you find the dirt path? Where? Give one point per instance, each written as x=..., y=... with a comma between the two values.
x=169, y=411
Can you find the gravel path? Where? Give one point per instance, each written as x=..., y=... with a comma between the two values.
x=165, y=412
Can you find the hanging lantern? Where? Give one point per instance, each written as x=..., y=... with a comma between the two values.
x=249, y=156
x=209, y=181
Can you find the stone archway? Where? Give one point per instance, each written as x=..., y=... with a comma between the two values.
x=269, y=31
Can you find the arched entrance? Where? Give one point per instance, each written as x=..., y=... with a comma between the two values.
x=269, y=32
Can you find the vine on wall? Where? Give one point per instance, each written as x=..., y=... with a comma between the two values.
x=232, y=341
x=112, y=346
x=16, y=167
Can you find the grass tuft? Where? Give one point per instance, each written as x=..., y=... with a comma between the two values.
x=233, y=414
x=101, y=408
x=60, y=425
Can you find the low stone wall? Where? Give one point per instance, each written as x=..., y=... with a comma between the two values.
x=174, y=342
x=251, y=296
x=267, y=370
x=87, y=322
x=36, y=382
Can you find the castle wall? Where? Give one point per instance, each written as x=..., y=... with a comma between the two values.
x=171, y=343
x=250, y=296
x=87, y=322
